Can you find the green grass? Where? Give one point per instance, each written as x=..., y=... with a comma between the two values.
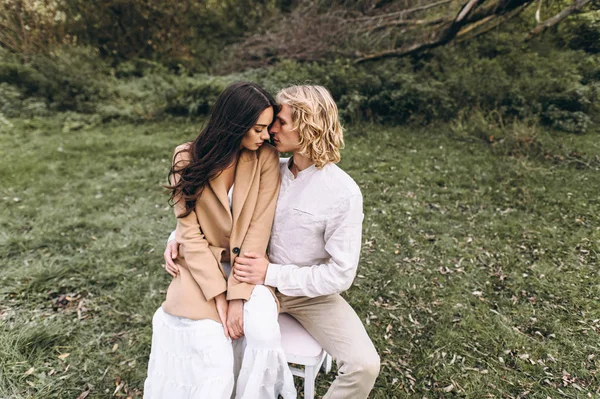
x=478, y=275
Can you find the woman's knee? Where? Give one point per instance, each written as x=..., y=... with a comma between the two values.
x=260, y=317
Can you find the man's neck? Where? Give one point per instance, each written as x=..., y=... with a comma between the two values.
x=299, y=163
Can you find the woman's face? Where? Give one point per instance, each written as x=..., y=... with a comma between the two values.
x=258, y=133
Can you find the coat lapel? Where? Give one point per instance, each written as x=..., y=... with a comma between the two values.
x=219, y=188
x=244, y=175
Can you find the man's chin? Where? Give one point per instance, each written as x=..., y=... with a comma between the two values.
x=279, y=147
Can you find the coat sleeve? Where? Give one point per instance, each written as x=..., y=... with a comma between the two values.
x=194, y=248
x=259, y=231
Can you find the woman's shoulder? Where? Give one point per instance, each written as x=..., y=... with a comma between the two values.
x=268, y=153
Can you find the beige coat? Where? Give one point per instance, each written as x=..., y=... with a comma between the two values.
x=213, y=233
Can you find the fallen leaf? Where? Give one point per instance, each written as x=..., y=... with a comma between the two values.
x=449, y=388
x=63, y=356
x=118, y=388
x=83, y=395
x=28, y=372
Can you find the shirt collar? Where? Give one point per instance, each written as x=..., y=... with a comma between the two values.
x=303, y=174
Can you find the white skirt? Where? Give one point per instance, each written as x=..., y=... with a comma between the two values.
x=192, y=359
x=189, y=359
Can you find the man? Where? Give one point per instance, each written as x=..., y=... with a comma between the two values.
x=316, y=238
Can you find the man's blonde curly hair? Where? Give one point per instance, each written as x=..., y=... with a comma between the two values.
x=315, y=115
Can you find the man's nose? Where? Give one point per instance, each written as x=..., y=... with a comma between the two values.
x=274, y=127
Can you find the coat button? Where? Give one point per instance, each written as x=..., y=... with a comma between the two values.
x=236, y=250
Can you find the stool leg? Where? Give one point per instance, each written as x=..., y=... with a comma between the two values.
x=310, y=374
x=327, y=363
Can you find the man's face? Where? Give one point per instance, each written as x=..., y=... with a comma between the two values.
x=285, y=137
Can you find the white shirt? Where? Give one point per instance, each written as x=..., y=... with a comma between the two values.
x=316, y=236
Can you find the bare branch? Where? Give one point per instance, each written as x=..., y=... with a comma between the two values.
x=405, y=12
x=577, y=5
x=470, y=14
x=467, y=9
x=495, y=22
x=538, y=13
x=405, y=22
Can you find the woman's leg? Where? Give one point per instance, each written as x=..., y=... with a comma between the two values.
x=265, y=373
x=189, y=359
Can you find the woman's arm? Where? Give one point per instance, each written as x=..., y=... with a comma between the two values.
x=259, y=231
x=194, y=248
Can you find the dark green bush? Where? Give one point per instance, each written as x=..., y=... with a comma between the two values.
x=560, y=88
x=69, y=79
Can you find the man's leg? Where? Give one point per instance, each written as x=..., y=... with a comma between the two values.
x=337, y=327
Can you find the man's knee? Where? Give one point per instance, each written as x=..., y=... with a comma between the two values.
x=369, y=366
x=365, y=368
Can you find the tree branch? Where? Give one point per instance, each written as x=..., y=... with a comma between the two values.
x=404, y=12
x=495, y=22
x=470, y=13
x=577, y=5
x=405, y=22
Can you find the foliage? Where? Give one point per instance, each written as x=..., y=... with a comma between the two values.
x=190, y=32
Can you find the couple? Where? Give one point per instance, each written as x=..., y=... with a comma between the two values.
x=231, y=197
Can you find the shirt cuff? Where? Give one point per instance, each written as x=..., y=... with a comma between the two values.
x=171, y=237
x=272, y=274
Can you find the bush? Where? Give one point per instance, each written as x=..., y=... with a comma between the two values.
x=561, y=89
x=518, y=138
x=68, y=79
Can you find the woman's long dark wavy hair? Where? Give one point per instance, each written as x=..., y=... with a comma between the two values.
x=235, y=112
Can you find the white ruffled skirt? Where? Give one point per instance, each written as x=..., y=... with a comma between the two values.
x=192, y=359
x=189, y=359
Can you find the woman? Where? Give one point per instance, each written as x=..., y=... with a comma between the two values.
x=224, y=186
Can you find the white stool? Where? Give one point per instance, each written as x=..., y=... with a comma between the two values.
x=301, y=348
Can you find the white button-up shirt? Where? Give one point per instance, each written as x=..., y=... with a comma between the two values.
x=316, y=236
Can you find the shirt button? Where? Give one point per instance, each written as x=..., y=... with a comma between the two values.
x=236, y=250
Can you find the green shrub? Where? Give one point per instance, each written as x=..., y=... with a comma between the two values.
x=194, y=95
x=560, y=88
x=69, y=79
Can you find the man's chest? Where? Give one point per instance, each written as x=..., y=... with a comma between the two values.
x=301, y=211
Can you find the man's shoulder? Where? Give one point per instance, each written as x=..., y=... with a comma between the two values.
x=182, y=154
x=338, y=181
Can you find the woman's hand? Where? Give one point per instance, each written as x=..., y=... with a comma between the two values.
x=171, y=252
x=235, y=318
x=222, y=310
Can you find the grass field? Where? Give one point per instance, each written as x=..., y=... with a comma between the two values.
x=478, y=277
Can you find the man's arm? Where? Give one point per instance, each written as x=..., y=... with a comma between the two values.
x=343, y=234
x=171, y=236
x=342, y=242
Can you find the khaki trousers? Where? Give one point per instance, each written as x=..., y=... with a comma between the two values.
x=338, y=329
